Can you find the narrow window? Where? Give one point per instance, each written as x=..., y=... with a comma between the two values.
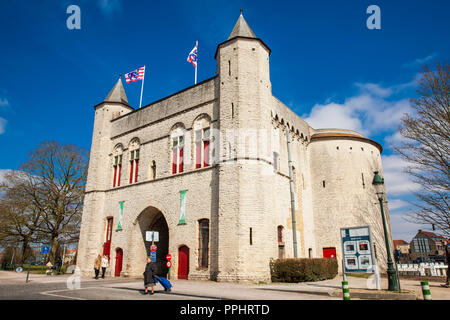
x=134, y=165
x=117, y=170
x=203, y=243
x=202, y=147
x=153, y=170
x=206, y=133
x=362, y=179
x=120, y=170
x=310, y=253
x=323, y=183
x=280, y=234
x=177, y=154
x=229, y=67
x=198, y=149
x=276, y=157
x=174, y=155
x=232, y=110
x=251, y=236
x=131, y=166
x=280, y=242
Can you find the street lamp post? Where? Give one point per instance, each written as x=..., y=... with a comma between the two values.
x=378, y=183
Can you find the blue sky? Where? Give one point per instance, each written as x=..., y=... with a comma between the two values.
x=325, y=64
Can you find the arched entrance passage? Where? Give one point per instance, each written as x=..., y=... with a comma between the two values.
x=152, y=219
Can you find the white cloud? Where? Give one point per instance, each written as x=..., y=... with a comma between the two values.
x=2, y=125
x=367, y=112
x=395, y=204
x=375, y=89
x=420, y=61
x=402, y=229
x=4, y=102
x=397, y=181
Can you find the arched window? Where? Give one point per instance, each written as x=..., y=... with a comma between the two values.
x=203, y=248
x=117, y=165
x=134, y=160
x=202, y=141
x=177, y=141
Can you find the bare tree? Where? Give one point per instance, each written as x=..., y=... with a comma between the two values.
x=56, y=177
x=20, y=220
x=427, y=147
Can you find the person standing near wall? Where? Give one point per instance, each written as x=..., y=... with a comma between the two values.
x=97, y=265
x=105, y=264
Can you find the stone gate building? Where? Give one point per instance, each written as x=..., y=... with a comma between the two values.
x=207, y=167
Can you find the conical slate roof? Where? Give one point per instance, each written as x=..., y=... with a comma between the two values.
x=241, y=29
x=117, y=94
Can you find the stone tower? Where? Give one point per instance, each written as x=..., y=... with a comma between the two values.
x=244, y=98
x=98, y=179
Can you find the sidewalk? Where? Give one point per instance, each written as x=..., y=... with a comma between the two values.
x=360, y=288
x=363, y=288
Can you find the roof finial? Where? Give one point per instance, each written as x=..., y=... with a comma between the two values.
x=241, y=11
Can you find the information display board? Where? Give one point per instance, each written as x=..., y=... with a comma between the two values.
x=357, y=250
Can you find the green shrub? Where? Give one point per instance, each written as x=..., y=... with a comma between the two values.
x=303, y=269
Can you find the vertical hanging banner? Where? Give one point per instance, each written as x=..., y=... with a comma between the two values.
x=119, y=223
x=182, y=207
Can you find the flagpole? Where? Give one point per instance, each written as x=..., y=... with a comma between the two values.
x=196, y=44
x=142, y=88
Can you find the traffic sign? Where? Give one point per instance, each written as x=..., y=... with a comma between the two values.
x=45, y=250
x=19, y=269
x=168, y=257
x=152, y=236
x=169, y=264
x=153, y=247
x=153, y=256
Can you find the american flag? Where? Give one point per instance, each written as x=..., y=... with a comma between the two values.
x=193, y=56
x=135, y=75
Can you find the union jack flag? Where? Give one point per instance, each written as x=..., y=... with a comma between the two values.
x=193, y=56
x=135, y=75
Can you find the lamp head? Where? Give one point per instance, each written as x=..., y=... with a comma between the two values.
x=378, y=183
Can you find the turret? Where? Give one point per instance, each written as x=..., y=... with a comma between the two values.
x=114, y=105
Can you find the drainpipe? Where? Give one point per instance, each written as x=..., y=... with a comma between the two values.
x=291, y=186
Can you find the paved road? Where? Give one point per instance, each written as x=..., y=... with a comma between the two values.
x=41, y=287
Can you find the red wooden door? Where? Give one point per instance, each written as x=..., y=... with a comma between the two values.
x=119, y=256
x=183, y=262
x=329, y=253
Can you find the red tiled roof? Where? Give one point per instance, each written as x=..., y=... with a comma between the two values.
x=399, y=242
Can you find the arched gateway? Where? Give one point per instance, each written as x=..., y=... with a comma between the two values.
x=152, y=219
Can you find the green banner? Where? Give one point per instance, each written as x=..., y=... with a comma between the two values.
x=119, y=223
x=182, y=207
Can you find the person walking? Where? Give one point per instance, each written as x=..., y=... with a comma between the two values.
x=105, y=264
x=97, y=265
x=149, y=275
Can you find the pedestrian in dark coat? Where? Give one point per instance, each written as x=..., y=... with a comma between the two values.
x=149, y=275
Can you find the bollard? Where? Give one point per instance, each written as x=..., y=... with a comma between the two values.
x=345, y=290
x=426, y=290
